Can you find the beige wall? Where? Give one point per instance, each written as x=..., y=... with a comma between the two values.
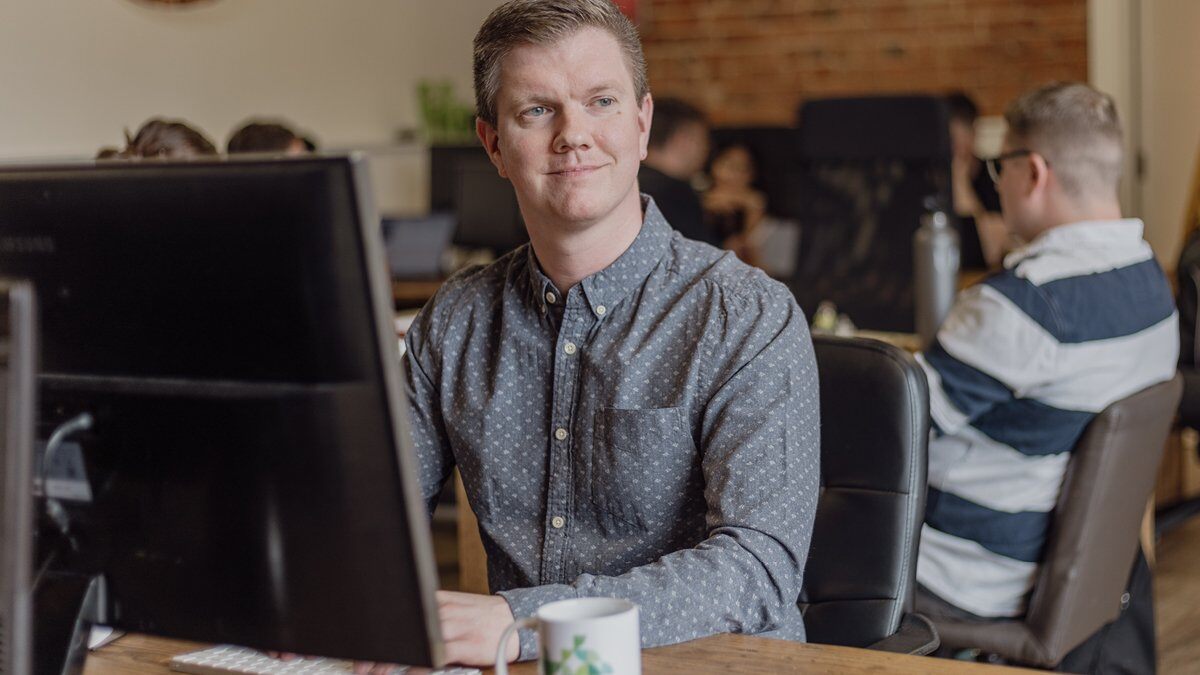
x=1112, y=68
x=1170, y=133
x=1145, y=53
x=74, y=73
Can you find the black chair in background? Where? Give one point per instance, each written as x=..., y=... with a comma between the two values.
x=861, y=572
x=870, y=168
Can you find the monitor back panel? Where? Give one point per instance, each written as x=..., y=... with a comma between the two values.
x=226, y=325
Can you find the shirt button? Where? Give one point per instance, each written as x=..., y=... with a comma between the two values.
x=560, y=434
x=600, y=309
x=557, y=522
x=569, y=348
x=550, y=297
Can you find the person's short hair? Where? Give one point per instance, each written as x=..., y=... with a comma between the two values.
x=961, y=107
x=263, y=136
x=1077, y=130
x=168, y=139
x=544, y=22
x=671, y=115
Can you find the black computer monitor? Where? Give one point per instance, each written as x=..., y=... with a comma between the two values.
x=464, y=182
x=228, y=327
x=17, y=403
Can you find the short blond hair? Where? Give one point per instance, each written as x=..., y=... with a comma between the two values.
x=543, y=22
x=1077, y=130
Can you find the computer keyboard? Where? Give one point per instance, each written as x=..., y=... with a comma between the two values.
x=244, y=661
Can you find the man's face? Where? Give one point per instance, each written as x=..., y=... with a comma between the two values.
x=569, y=134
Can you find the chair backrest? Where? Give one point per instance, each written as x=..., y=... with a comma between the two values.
x=1094, y=536
x=870, y=168
x=874, y=445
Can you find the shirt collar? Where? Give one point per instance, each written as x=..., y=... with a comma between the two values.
x=1087, y=234
x=606, y=288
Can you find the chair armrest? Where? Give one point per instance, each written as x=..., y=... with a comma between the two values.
x=916, y=636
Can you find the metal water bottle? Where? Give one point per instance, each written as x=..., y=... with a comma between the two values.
x=935, y=271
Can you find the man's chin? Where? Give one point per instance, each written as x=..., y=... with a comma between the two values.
x=581, y=213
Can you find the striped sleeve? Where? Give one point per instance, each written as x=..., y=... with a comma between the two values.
x=987, y=352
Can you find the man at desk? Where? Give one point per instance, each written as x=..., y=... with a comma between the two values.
x=1080, y=317
x=634, y=414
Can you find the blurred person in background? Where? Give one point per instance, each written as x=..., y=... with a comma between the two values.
x=1187, y=274
x=733, y=206
x=983, y=236
x=265, y=136
x=1081, y=316
x=162, y=138
x=676, y=154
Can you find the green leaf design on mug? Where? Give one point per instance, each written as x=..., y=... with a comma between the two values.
x=588, y=660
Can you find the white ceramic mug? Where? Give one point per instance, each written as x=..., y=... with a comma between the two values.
x=599, y=632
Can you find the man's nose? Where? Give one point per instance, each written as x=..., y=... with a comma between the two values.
x=574, y=132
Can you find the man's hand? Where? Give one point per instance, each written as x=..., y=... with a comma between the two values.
x=471, y=627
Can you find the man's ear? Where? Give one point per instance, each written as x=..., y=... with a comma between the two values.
x=645, y=117
x=491, y=143
x=1039, y=172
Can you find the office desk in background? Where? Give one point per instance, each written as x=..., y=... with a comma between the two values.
x=145, y=655
x=414, y=293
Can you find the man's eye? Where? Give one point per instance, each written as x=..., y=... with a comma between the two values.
x=536, y=111
x=606, y=101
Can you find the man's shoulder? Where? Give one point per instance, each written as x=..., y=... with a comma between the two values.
x=476, y=285
x=1079, y=305
x=735, y=284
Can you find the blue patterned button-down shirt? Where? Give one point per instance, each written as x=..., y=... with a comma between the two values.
x=649, y=434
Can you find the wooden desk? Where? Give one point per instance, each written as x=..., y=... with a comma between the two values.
x=414, y=293
x=141, y=655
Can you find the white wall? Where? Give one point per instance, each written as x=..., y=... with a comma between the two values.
x=74, y=73
x=1170, y=69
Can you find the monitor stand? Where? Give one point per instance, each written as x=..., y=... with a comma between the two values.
x=65, y=606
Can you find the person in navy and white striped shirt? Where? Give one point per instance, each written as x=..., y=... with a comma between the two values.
x=1080, y=317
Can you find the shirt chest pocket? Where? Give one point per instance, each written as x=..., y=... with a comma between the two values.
x=645, y=468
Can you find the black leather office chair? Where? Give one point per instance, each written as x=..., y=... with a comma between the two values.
x=861, y=572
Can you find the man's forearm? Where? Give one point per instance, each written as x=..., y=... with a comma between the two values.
x=738, y=580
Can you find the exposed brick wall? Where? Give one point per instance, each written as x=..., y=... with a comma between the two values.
x=754, y=61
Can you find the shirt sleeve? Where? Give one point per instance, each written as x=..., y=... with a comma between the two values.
x=760, y=441
x=430, y=441
x=987, y=352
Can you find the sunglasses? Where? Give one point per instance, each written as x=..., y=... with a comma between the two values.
x=994, y=165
